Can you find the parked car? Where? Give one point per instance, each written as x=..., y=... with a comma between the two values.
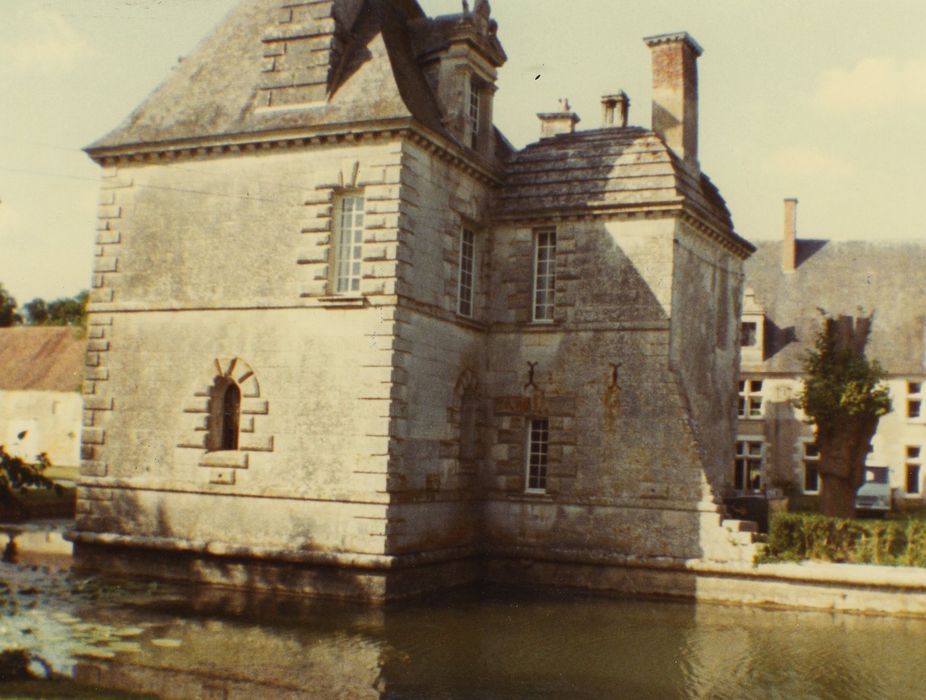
x=875, y=494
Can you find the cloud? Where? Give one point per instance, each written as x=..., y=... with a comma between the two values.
x=874, y=83
x=46, y=44
x=809, y=161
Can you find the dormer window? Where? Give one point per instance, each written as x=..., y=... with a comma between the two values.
x=474, y=114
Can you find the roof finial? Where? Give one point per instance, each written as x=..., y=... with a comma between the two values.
x=465, y=7
x=564, y=103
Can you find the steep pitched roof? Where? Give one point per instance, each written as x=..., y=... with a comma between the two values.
x=43, y=359
x=220, y=89
x=612, y=168
x=841, y=277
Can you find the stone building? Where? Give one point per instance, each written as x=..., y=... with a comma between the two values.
x=346, y=340
x=40, y=401
x=788, y=283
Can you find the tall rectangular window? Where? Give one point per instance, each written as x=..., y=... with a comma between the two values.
x=750, y=399
x=913, y=471
x=914, y=399
x=811, y=461
x=544, y=274
x=747, y=466
x=473, y=114
x=348, y=245
x=749, y=334
x=467, y=272
x=537, y=449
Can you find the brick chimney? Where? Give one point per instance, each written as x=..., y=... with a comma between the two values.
x=555, y=123
x=615, y=110
x=675, y=93
x=789, y=246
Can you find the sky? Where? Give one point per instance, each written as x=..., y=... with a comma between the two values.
x=823, y=100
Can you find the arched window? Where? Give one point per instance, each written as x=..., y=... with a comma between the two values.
x=231, y=409
x=224, y=415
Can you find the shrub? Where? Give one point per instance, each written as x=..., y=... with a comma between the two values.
x=801, y=536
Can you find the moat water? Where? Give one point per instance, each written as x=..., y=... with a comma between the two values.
x=124, y=639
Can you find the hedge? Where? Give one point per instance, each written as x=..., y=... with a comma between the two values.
x=800, y=536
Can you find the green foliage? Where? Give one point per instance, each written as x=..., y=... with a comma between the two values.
x=15, y=475
x=801, y=536
x=8, y=315
x=841, y=382
x=66, y=311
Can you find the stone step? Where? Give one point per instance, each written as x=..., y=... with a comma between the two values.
x=741, y=526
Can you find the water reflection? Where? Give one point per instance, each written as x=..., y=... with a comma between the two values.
x=174, y=642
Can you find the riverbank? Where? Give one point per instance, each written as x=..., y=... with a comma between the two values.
x=865, y=589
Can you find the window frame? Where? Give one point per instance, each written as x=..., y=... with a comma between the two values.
x=548, y=277
x=354, y=261
x=913, y=460
x=474, y=108
x=914, y=396
x=748, y=457
x=811, y=459
x=746, y=393
x=538, y=471
x=465, y=271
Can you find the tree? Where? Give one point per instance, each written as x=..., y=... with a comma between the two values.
x=66, y=311
x=8, y=315
x=16, y=474
x=845, y=398
x=36, y=312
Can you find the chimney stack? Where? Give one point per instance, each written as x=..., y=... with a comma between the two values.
x=615, y=110
x=789, y=246
x=675, y=93
x=555, y=123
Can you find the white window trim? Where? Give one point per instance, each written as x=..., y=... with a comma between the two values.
x=746, y=394
x=527, y=460
x=472, y=273
x=535, y=277
x=915, y=396
x=803, y=460
x=337, y=246
x=754, y=439
x=913, y=462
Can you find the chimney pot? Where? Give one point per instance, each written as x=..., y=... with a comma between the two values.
x=555, y=123
x=789, y=245
x=675, y=93
x=615, y=110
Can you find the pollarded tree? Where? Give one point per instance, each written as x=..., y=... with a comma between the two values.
x=845, y=398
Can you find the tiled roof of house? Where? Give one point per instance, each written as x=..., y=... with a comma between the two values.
x=609, y=168
x=219, y=90
x=842, y=277
x=42, y=359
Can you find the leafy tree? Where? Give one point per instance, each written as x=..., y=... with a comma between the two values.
x=66, y=311
x=16, y=474
x=8, y=315
x=845, y=398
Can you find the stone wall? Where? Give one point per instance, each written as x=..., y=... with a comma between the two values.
x=50, y=421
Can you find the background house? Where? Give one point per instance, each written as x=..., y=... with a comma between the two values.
x=787, y=284
x=40, y=401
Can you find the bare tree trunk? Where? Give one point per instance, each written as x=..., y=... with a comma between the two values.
x=837, y=496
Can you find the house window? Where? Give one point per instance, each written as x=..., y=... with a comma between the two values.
x=811, y=462
x=544, y=274
x=914, y=399
x=747, y=466
x=749, y=335
x=467, y=272
x=750, y=398
x=348, y=248
x=537, y=448
x=473, y=113
x=224, y=415
x=913, y=471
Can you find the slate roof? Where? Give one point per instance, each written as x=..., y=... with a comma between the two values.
x=605, y=168
x=840, y=277
x=211, y=93
x=41, y=359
